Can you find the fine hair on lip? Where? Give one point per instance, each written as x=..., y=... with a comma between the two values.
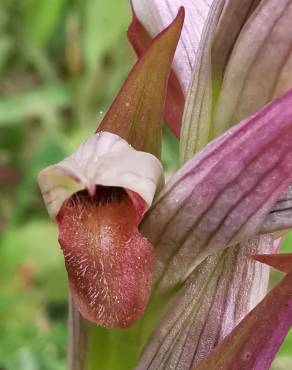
x=109, y=263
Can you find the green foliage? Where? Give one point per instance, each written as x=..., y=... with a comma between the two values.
x=38, y=103
x=61, y=62
x=41, y=17
x=30, y=272
x=31, y=348
x=103, y=23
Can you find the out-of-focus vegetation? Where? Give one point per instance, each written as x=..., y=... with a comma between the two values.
x=61, y=63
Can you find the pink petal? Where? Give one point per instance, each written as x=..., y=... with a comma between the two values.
x=222, y=195
x=243, y=62
x=259, y=68
x=255, y=341
x=213, y=300
x=156, y=14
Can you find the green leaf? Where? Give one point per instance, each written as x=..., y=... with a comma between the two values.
x=104, y=22
x=6, y=46
x=36, y=244
x=48, y=151
x=41, y=18
x=34, y=103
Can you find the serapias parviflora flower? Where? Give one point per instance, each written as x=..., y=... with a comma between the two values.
x=98, y=196
x=100, y=193
x=222, y=196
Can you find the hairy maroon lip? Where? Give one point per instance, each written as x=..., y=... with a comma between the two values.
x=109, y=263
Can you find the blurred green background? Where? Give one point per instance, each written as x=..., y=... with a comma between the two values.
x=61, y=63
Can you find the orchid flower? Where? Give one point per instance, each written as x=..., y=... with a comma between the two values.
x=185, y=247
x=99, y=195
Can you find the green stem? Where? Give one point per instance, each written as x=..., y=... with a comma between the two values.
x=78, y=339
x=92, y=347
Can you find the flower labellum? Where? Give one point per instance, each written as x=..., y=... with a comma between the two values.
x=109, y=263
x=98, y=196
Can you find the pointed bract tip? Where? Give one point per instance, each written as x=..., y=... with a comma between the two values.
x=179, y=19
x=136, y=113
x=141, y=40
x=181, y=13
x=281, y=262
